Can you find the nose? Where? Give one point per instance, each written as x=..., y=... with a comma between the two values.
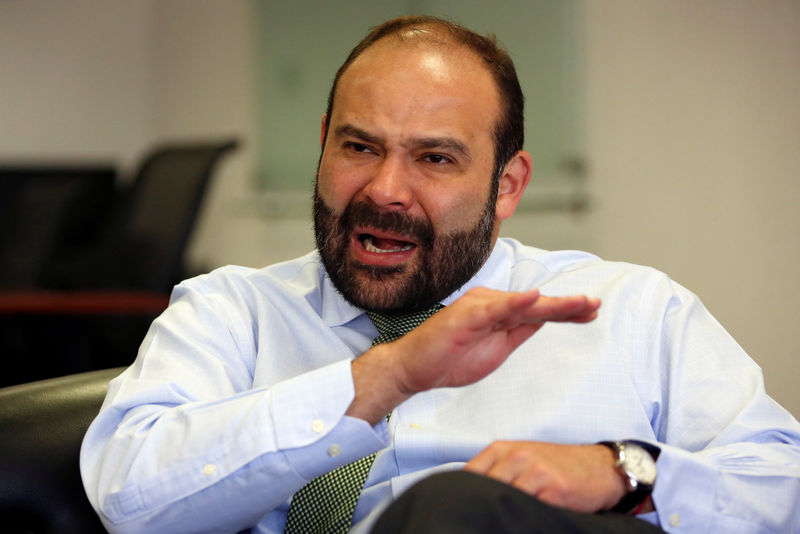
x=388, y=187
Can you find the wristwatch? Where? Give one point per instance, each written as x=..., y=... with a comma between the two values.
x=636, y=462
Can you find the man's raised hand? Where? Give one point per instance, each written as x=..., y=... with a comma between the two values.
x=460, y=345
x=472, y=337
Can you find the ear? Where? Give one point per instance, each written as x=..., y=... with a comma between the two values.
x=323, y=130
x=515, y=178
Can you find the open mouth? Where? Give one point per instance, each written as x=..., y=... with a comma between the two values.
x=383, y=245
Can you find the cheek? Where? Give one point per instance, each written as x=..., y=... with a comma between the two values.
x=460, y=204
x=333, y=190
x=451, y=212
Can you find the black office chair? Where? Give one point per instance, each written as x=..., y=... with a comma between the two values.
x=139, y=249
x=46, y=212
x=144, y=245
x=42, y=425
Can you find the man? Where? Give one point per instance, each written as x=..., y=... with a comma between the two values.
x=255, y=382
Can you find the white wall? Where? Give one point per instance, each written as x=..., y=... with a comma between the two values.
x=75, y=79
x=691, y=130
x=204, y=87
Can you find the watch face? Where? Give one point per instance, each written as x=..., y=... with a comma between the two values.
x=638, y=463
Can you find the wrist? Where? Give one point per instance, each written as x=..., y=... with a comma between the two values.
x=377, y=390
x=635, y=461
x=618, y=484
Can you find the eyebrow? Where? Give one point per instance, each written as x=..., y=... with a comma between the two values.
x=450, y=143
x=348, y=130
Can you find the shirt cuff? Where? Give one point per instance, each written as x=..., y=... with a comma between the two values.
x=350, y=440
x=312, y=430
x=308, y=406
x=684, y=492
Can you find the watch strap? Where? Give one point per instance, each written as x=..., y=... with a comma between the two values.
x=632, y=499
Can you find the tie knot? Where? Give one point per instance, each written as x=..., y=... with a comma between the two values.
x=393, y=326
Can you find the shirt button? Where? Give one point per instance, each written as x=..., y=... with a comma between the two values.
x=209, y=469
x=416, y=426
x=317, y=425
x=674, y=520
x=334, y=451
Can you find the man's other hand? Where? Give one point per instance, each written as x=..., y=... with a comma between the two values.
x=579, y=477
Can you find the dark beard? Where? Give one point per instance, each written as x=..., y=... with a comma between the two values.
x=445, y=262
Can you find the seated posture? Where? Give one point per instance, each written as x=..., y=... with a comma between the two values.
x=402, y=376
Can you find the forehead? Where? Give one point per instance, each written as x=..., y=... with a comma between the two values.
x=418, y=83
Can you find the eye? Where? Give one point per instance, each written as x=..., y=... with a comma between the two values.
x=438, y=159
x=358, y=147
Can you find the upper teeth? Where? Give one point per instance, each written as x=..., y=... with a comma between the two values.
x=370, y=246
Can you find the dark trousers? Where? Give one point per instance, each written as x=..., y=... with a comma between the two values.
x=459, y=502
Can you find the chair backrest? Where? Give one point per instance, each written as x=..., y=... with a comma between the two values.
x=145, y=245
x=41, y=428
x=46, y=211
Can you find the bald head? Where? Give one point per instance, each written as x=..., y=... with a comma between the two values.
x=508, y=131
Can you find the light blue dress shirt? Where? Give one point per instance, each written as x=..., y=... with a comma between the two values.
x=238, y=394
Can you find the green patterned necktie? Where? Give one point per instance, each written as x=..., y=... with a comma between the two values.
x=326, y=504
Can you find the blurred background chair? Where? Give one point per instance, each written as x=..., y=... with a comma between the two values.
x=46, y=211
x=144, y=242
x=86, y=270
x=41, y=428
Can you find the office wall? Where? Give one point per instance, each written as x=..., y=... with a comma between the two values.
x=691, y=128
x=293, y=84
x=75, y=79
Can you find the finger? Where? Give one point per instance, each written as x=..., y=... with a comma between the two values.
x=572, y=308
x=535, y=482
x=555, y=306
x=510, y=314
x=576, y=309
x=490, y=310
x=481, y=463
x=582, y=318
x=512, y=465
x=499, y=305
x=507, y=469
x=523, y=299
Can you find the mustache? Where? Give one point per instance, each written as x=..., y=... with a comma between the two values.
x=364, y=214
